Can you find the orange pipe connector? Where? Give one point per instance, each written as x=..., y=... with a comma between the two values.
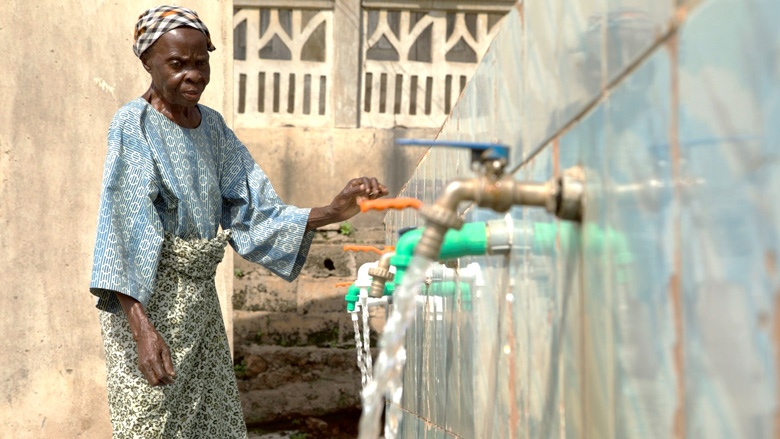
x=343, y=284
x=391, y=203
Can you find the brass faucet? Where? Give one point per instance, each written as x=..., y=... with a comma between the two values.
x=494, y=189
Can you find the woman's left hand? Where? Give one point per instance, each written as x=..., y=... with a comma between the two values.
x=347, y=202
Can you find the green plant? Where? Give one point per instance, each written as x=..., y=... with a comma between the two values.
x=299, y=436
x=240, y=369
x=238, y=273
x=342, y=400
x=346, y=228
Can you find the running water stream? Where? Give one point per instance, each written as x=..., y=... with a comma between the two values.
x=367, y=342
x=358, y=346
x=388, y=370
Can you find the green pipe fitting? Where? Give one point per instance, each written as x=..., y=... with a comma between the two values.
x=353, y=295
x=401, y=262
x=448, y=289
x=470, y=240
x=406, y=243
x=546, y=233
x=598, y=240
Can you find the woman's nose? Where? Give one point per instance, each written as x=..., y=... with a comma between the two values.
x=194, y=75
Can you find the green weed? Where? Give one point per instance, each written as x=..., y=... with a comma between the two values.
x=346, y=228
x=240, y=369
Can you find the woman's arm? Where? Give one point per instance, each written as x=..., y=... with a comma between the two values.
x=154, y=357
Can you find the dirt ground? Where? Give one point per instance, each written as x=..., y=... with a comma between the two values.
x=343, y=425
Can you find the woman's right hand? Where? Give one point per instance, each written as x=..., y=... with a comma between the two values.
x=154, y=357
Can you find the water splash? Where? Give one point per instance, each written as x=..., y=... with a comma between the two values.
x=387, y=382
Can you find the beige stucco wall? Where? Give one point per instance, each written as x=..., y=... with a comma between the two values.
x=309, y=166
x=67, y=67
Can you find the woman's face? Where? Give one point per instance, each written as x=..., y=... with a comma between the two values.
x=179, y=64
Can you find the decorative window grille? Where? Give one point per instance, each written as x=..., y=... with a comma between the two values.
x=414, y=60
x=416, y=63
x=282, y=64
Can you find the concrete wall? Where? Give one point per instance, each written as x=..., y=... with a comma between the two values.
x=67, y=67
x=309, y=166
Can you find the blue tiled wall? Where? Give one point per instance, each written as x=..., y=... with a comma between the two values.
x=658, y=316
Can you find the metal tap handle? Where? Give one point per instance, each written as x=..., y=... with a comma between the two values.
x=480, y=151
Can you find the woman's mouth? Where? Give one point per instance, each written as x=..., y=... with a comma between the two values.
x=191, y=94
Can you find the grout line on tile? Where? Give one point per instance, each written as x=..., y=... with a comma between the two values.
x=611, y=85
x=428, y=422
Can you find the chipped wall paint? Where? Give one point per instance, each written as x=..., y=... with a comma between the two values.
x=104, y=86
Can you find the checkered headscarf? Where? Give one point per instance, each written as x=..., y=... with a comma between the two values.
x=155, y=22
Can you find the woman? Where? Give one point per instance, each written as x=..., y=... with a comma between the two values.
x=174, y=173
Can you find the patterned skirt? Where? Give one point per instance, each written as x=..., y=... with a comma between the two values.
x=204, y=401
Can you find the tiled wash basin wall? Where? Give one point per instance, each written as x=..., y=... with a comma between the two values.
x=658, y=316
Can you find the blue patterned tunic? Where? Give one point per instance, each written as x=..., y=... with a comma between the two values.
x=161, y=178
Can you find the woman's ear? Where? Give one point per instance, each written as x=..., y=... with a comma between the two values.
x=145, y=61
